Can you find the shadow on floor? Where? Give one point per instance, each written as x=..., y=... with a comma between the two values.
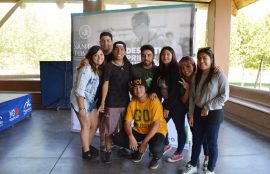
x=44, y=143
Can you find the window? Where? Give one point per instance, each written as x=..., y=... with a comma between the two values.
x=42, y=32
x=35, y=32
x=250, y=43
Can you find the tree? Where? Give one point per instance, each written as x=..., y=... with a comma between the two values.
x=250, y=41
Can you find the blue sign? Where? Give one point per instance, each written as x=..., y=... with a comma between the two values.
x=15, y=110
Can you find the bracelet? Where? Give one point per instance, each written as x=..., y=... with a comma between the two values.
x=81, y=109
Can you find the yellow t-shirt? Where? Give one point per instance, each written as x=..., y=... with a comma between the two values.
x=144, y=114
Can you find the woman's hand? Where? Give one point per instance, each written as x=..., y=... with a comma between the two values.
x=204, y=112
x=184, y=84
x=190, y=120
x=82, y=112
x=218, y=69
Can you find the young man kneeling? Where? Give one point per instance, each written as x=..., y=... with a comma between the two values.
x=149, y=125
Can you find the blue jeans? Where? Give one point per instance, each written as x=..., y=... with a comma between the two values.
x=201, y=130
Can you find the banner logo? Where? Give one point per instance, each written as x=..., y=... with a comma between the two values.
x=1, y=121
x=85, y=31
x=14, y=114
x=27, y=106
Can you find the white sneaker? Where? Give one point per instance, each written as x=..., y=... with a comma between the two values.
x=191, y=170
x=205, y=164
x=208, y=172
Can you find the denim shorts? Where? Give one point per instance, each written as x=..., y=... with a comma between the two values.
x=88, y=107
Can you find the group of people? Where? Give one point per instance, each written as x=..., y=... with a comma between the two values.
x=130, y=104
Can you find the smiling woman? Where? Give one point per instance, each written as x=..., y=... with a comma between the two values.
x=34, y=32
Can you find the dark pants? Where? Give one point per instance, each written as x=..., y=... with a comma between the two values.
x=156, y=143
x=178, y=116
x=204, y=144
x=203, y=129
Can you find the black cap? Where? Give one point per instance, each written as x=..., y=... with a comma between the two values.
x=138, y=82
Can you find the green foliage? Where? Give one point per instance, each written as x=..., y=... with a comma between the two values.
x=250, y=41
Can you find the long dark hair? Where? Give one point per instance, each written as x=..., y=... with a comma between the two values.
x=165, y=70
x=89, y=56
x=209, y=52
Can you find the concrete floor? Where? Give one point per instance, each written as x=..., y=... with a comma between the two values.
x=44, y=143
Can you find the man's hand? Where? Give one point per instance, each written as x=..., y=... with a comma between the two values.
x=166, y=113
x=84, y=62
x=101, y=108
x=153, y=96
x=142, y=147
x=133, y=144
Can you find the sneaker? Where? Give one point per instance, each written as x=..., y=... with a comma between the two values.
x=190, y=170
x=137, y=157
x=166, y=149
x=94, y=151
x=175, y=157
x=189, y=165
x=205, y=164
x=108, y=157
x=86, y=155
x=208, y=172
x=154, y=163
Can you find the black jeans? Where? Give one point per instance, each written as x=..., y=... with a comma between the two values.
x=178, y=115
x=156, y=143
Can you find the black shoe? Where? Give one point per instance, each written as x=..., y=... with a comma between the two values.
x=94, y=151
x=108, y=157
x=137, y=157
x=154, y=163
x=123, y=152
x=86, y=155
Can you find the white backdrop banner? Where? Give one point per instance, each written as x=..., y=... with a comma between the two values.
x=159, y=26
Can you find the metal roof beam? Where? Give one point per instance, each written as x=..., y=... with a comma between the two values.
x=43, y=1
x=10, y=12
